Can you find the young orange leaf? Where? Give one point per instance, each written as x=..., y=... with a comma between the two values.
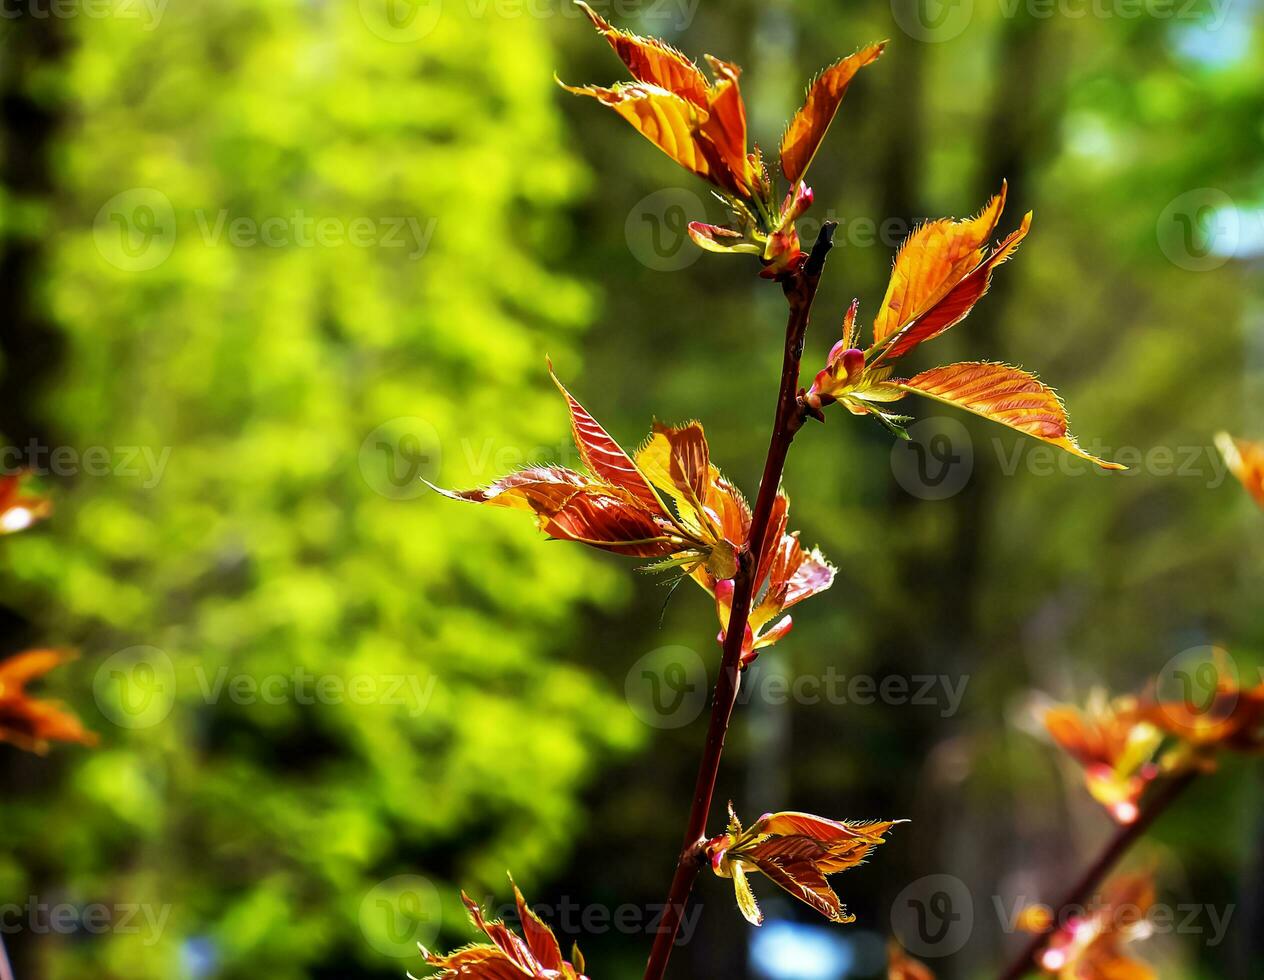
x=652, y=61
x=671, y=123
x=510, y=956
x=1003, y=394
x=959, y=300
x=807, y=129
x=797, y=851
x=603, y=455
x=619, y=506
x=725, y=125
x=1245, y=460
x=27, y=722
x=570, y=506
x=932, y=260
x=678, y=460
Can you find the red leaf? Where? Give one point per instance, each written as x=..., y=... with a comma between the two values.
x=604, y=456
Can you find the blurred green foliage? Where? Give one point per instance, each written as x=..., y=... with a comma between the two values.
x=262, y=536
x=275, y=539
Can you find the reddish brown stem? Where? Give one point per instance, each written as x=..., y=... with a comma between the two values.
x=6, y=970
x=1079, y=895
x=800, y=290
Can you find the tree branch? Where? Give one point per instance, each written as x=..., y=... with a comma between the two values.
x=1080, y=893
x=800, y=290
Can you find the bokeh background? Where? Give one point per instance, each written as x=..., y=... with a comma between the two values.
x=263, y=264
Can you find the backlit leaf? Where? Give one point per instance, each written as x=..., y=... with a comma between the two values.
x=746, y=897
x=652, y=61
x=677, y=461
x=959, y=300
x=1003, y=394
x=932, y=260
x=603, y=455
x=725, y=125
x=510, y=956
x=666, y=120
x=807, y=129
x=797, y=851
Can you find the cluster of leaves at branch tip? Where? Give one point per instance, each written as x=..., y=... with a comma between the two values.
x=940, y=272
x=701, y=124
x=1127, y=743
x=668, y=503
x=796, y=851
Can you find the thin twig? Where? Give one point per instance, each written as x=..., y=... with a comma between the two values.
x=800, y=290
x=1080, y=893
